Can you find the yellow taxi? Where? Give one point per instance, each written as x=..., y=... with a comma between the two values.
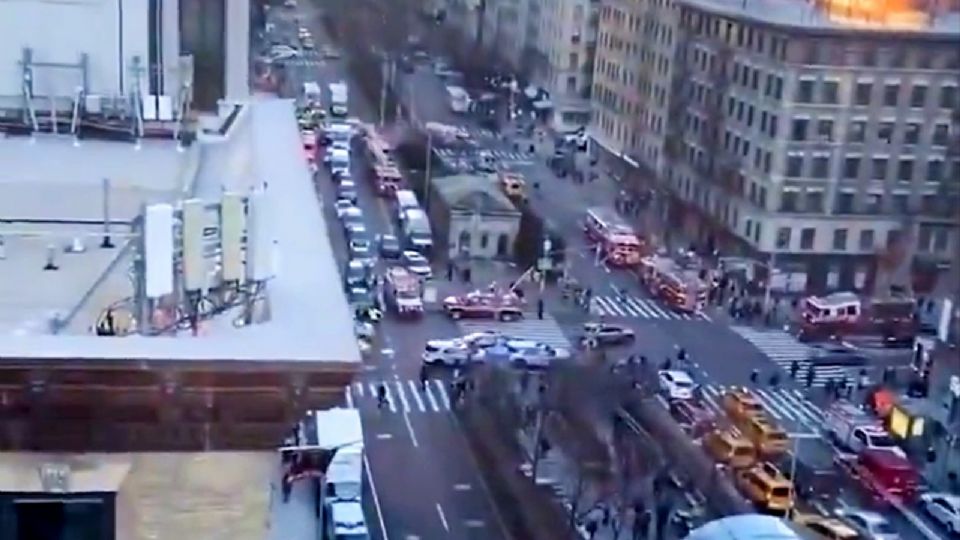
x=741, y=404
x=726, y=446
x=766, y=487
x=828, y=528
x=513, y=185
x=769, y=439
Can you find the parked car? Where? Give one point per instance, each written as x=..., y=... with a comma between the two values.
x=837, y=355
x=944, y=508
x=416, y=263
x=453, y=352
x=484, y=339
x=602, y=334
x=360, y=248
x=389, y=246
x=484, y=305
x=676, y=384
x=524, y=353
x=347, y=190
x=343, y=207
x=870, y=525
x=696, y=419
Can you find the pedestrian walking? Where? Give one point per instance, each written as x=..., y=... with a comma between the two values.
x=665, y=366
x=754, y=376
x=794, y=368
x=775, y=379
x=540, y=308
x=381, y=395
x=449, y=270
x=811, y=373
x=828, y=388
x=423, y=378
x=682, y=355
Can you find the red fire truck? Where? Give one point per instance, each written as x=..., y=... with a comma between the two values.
x=403, y=292
x=617, y=241
x=677, y=285
x=387, y=179
x=845, y=314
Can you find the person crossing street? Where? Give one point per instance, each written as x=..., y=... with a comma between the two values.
x=423, y=378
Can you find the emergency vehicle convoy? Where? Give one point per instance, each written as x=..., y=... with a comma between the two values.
x=677, y=286
x=403, y=292
x=845, y=314
x=384, y=171
x=617, y=242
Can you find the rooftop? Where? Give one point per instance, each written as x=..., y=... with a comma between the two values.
x=60, y=184
x=839, y=15
x=473, y=193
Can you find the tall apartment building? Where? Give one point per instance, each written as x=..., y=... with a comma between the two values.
x=505, y=30
x=822, y=136
x=566, y=46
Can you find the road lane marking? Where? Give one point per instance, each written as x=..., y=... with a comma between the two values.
x=430, y=398
x=415, y=392
x=462, y=487
x=376, y=499
x=769, y=401
x=384, y=436
x=403, y=395
x=443, y=518
x=413, y=436
x=359, y=388
x=443, y=393
x=475, y=523
x=349, y=397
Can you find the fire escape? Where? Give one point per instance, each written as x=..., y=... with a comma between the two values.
x=722, y=167
x=679, y=98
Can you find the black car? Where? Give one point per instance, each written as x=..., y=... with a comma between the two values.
x=837, y=355
x=389, y=246
x=602, y=334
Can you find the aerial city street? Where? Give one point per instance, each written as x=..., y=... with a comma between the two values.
x=480, y=270
x=788, y=395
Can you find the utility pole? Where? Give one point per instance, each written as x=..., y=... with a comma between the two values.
x=771, y=266
x=384, y=74
x=426, y=176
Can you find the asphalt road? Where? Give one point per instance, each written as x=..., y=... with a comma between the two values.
x=721, y=357
x=422, y=482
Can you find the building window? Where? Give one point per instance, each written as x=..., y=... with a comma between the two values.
x=901, y=203
x=851, y=167
x=885, y=132
x=805, y=91
x=911, y=133
x=893, y=236
x=572, y=84
x=773, y=125
x=825, y=130
x=905, y=170
x=941, y=134
x=862, y=93
x=807, y=237
x=814, y=202
x=783, y=237
x=829, y=92
x=762, y=203
x=879, y=169
x=934, y=171
x=821, y=165
x=873, y=203
x=788, y=201
x=858, y=131
x=866, y=239
x=948, y=97
x=918, y=96
x=798, y=131
x=794, y=166
x=756, y=233
x=844, y=204
x=891, y=94
x=840, y=239
x=940, y=240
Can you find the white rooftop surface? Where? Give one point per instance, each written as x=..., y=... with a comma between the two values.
x=49, y=177
x=805, y=14
x=310, y=317
x=744, y=527
x=338, y=427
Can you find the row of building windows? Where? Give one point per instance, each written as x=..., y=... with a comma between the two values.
x=904, y=168
x=774, y=46
x=862, y=130
x=889, y=94
x=935, y=239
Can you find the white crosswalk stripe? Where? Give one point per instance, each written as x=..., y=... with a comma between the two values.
x=301, y=62
x=783, y=404
x=403, y=396
x=782, y=349
x=503, y=155
x=545, y=331
x=638, y=308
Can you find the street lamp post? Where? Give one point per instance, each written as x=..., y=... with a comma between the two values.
x=426, y=174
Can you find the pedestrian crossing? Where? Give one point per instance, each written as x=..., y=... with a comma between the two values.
x=782, y=349
x=403, y=396
x=787, y=406
x=502, y=155
x=639, y=308
x=545, y=331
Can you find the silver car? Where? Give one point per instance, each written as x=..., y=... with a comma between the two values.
x=870, y=525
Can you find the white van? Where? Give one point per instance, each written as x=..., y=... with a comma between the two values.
x=406, y=200
x=311, y=93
